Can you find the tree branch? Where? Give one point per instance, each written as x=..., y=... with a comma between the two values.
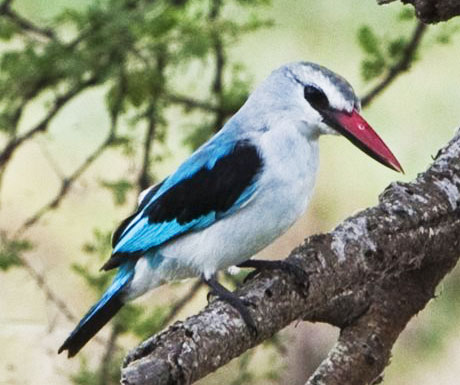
x=369, y=276
x=190, y=103
x=431, y=11
x=401, y=66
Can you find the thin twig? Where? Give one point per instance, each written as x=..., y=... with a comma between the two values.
x=401, y=66
x=51, y=161
x=38, y=277
x=24, y=24
x=191, y=103
x=50, y=295
x=66, y=184
x=144, y=180
x=219, y=55
x=42, y=126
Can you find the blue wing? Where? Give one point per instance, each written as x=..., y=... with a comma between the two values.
x=214, y=182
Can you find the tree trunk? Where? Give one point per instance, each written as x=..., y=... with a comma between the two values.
x=432, y=11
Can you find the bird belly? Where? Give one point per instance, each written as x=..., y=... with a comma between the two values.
x=153, y=270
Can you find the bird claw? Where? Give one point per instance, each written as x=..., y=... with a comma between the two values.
x=239, y=304
x=248, y=303
x=244, y=301
x=300, y=276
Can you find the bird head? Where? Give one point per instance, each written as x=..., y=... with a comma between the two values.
x=318, y=101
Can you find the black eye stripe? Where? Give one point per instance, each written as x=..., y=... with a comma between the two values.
x=315, y=97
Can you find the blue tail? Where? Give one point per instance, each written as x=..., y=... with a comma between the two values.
x=100, y=313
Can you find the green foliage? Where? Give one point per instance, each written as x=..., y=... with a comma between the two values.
x=85, y=376
x=130, y=45
x=119, y=189
x=446, y=32
x=396, y=48
x=106, y=374
x=238, y=90
x=100, y=246
x=99, y=249
x=199, y=133
x=7, y=30
x=245, y=376
x=97, y=281
x=407, y=14
x=374, y=63
x=382, y=53
x=231, y=99
x=137, y=52
x=11, y=250
x=278, y=348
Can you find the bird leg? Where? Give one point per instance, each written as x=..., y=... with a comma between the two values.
x=232, y=299
x=301, y=277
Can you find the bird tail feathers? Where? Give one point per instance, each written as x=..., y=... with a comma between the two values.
x=100, y=313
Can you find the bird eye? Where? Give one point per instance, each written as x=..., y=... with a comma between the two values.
x=315, y=97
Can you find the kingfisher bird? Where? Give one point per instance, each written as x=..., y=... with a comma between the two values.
x=235, y=194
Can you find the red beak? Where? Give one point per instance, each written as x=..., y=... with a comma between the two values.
x=360, y=133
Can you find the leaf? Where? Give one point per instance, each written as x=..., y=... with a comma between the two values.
x=407, y=14
x=101, y=245
x=369, y=41
x=396, y=48
x=119, y=190
x=7, y=29
x=11, y=250
x=97, y=281
x=372, y=68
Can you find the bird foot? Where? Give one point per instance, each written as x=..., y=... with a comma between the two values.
x=212, y=294
x=239, y=304
x=300, y=276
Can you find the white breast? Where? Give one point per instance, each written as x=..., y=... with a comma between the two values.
x=286, y=184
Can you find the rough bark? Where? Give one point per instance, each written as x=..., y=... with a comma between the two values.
x=432, y=11
x=368, y=276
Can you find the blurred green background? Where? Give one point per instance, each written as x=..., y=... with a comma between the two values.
x=416, y=115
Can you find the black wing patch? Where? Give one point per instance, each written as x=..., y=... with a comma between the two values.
x=215, y=189
x=207, y=190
